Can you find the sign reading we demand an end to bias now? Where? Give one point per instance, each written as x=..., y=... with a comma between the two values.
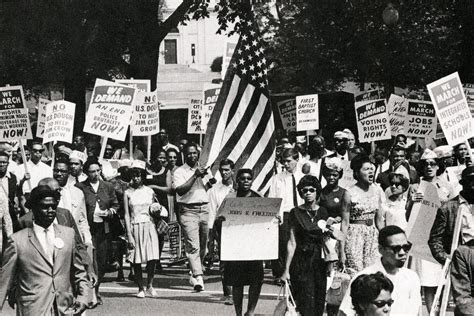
x=110, y=110
x=372, y=120
x=14, y=120
x=452, y=109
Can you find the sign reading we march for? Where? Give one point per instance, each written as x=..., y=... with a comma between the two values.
x=110, y=111
x=14, y=120
x=452, y=108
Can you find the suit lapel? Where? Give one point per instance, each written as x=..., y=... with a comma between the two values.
x=35, y=242
x=58, y=235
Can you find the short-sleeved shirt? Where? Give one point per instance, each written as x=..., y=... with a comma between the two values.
x=197, y=193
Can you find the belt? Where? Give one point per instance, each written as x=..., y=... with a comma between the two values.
x=194, y=204
x=368, y=222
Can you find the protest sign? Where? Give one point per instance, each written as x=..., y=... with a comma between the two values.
x=59, y=123
x=146, y=117
x=397, y=111
x=307, y=112
x=420, y=120
x=194, y=116
x=372, y=120
x=41, y=116
x=452, y=109
x=14, y=120
x=210, y=98
x=229, y=47
x=287, y=111
x=347, y=180
x=142, y=85
x=110, y=110
x=370, y=95
x=469, y=93
x=421, y=220
x=248, y=220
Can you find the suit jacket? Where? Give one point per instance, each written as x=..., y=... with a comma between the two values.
x=441, y=235
x=39, y=282
x=351, y=153
x=462, y=279
x=64, y=218
x=105, y=196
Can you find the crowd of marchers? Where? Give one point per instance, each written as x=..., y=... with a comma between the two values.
x=68, y=217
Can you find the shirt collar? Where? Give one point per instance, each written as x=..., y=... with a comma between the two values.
x=40, y=229
x=462, y=200
x=7, y=175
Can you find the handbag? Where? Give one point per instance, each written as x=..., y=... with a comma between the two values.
x=338, y=288
x=286, y=305
x=161, y=225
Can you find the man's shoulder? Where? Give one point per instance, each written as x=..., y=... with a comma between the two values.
x=21, y=234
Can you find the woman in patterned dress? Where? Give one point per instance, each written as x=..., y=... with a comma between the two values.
x=366, y=216
x=141, y=230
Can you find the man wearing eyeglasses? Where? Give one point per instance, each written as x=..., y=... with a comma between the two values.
x=37, y=169
x=394, y=248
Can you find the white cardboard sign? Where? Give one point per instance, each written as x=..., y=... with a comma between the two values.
x=59, y=123
x=307, y=112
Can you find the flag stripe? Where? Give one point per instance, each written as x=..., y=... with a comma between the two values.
x=257, y=135
x=265, y=156
x=235, y=105
x=266, y=181
x=219, y=121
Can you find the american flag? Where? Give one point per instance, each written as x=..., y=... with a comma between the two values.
x=241, y=127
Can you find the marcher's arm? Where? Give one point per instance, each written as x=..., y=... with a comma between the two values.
x=80, y=281
x=84, y=224
x=8, y=270
x=128, y=225
x=7, y=225
x=435, y=242
x=184, y=188
x=461, y=284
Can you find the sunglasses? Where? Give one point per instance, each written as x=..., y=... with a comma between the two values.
x=381, y=304
x=47, y=206
x=310, y=190
x=396, y=249
x=430, y=164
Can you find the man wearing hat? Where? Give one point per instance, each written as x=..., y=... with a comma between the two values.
x=341, y=146
x=43, y=262
x=76, y=161
x=397, y=154
x=441, y=234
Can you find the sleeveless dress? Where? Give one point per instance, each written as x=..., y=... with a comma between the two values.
x=361, y=245
x=142, y=225
x=395, y=213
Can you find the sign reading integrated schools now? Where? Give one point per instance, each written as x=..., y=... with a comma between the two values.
x=452, y=109
x=372, y=120
x=110, y=111
x=14, y=120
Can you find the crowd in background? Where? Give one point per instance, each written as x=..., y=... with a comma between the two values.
x=119, y=207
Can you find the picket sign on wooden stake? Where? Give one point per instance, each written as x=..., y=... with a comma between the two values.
x=102, y=147
x=23, y=156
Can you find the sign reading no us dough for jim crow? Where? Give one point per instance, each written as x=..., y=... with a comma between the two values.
x=59, y=123
x=372, y=120
x=14, y=120
x=452, y=108
x=420, y=120
x=307, y=112
x=146, y=117
x=110, y=110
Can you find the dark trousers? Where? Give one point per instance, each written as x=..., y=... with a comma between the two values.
x=278, y=265
x=100, y=241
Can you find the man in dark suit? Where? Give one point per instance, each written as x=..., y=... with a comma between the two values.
x=101, y=206
x=441, y=235
x=341, y=147
x=462, y=279
x=43, y=261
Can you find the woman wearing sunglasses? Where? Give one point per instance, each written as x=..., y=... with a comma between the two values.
x=397, y=195
x=372, y=294
x=429, y=272
x=304, y=263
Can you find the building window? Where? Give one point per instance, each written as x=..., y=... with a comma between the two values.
x=171, y=56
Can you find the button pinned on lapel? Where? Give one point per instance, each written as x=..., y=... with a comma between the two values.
x=58, y=243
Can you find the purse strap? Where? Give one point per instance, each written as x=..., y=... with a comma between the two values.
x=288, y=296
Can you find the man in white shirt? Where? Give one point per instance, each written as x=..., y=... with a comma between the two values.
x=193, y=211
x=72, y=199
x=37, y=169
x=164, y=141
x=217, y=195
x=283, y=186
x=394, y=248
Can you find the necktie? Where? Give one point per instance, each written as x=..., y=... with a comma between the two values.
x=49, y=246
x=295, y=197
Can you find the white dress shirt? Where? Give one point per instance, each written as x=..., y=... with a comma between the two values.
x=72, y=199
x=406, y=291
x=71, y=180
x=197, y=193
x=217, y=195
x=37, y=172
x=282, y=187
x=46, y=239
